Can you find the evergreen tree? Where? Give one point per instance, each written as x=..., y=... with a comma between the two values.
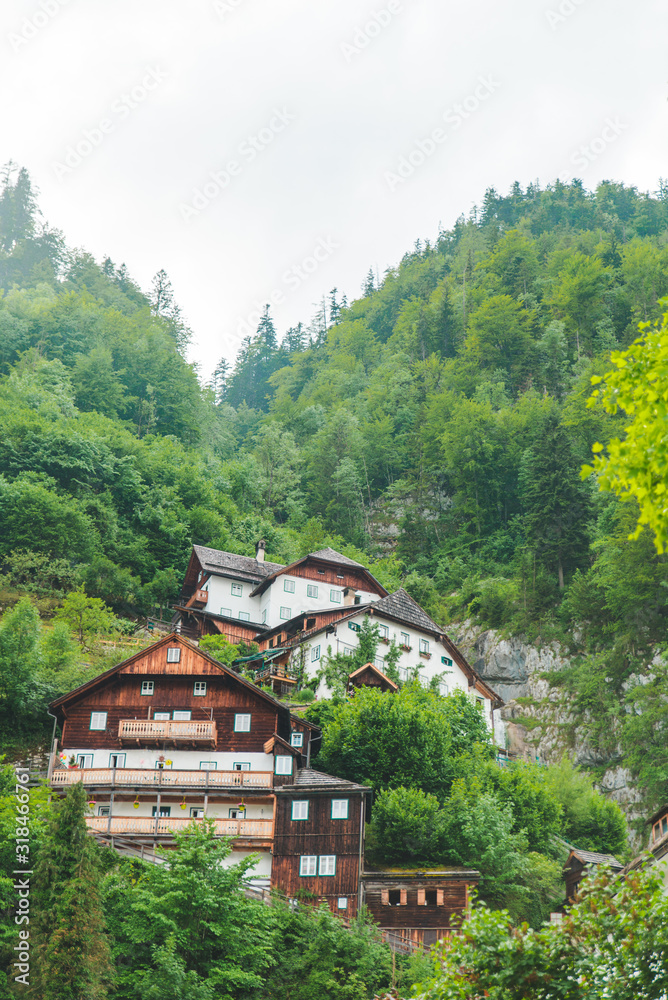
x=369, y=283
x=72, y=954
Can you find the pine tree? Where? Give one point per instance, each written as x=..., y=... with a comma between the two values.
x=72, y=954
x=219, y=380
x=369, y=283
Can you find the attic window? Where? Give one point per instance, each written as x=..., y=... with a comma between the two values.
x=173, y=654
x=297, y=740
x=322, y=572
x=147, y=687
x=446, y=660
x=98, y=720
x=340, y=576
x=200, y=688
x=310, y=623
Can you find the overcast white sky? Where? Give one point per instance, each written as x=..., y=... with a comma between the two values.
x=316, y=103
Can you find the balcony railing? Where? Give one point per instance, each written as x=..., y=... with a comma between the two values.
x=200, y=597
x=148, y=826
x=148, y=730
x=162, y=778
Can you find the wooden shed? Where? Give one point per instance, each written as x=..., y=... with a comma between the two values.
x=580, y=864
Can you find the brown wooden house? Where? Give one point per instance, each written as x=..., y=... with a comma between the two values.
x=417, y=906
x=371, y=676
x=581, y=864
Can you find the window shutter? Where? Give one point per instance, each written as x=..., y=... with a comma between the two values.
x=385, y=897
x=421, y=898
x=404, y=896
x=439, y=897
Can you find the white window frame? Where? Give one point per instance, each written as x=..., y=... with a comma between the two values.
x=297, y=740
x=98, y=721
x=236, y=812
x=237, y=590
x=342, y=903
x=182, y=715
x=405, y=639
x=197, y=812
x=147, y=687
x=241, y=765
x=114, y=758
x=264, y=617
x=311, y=590
x=226, y=612
x=161, y=716
x=424, y=646
x=315, y=653
x=84, y=760
x=289, y=586
x=342, y=808
x=104, y=810
x=300, y=810
x=327, y=864
x=244, y=616
x=285, y=614
x=308, y=865
x=384, y=631
x=208, y=765
x=240, y=724
x=173, y=654
x=199, y=689
x=282, y=764
x=335, y=596
x=165, y=812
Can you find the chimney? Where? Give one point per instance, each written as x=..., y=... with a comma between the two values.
x=259, y=551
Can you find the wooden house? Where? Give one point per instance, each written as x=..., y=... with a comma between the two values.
x=370, y=676
x=417, y=906
x=581, y=864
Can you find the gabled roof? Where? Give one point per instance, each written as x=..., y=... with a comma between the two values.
x=275, y=742
x=593, y=858
x=401, y=605
x=173, y=639
x=372, y=668
x=220, y=563
x=331, y=555
x=325, y=556
x=308, y=778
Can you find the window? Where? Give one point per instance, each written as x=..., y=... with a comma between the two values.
x=424, y=646
x=208, y=765
x=443, y=689
x=480, y=704
x=347, y=650
x=173, y=654
x=327, y=864
x=379, y=662
x=394, y=897
x=430, y=898
x=315, y=653
x=342, y=903
x=358, y=599
x=384, y=631
x=241, y=765
x=226, y=612
x=286, y=614
x=196, y=812
x=289, y=586
x=321, y=572
x=335, y=596
x=98, y=720
x=446, y=660
x=405, y=639
x=310, y=623
x=200, y=688
x=264, y=617
x=103, y=810
x=165, y=811
x=300, y=809
x=236, y=812
x=237, y=590
x=244, y=616
x=84, y=760
x=403, y=673
x=354, y=626
x=116, y=760
x=242, y=723
x=339, y=808
x=182, y=716
x=311, y=590
x=161, y=716
x=297, y=740
x=308, y=864
x=147, y=687
x=283, y=765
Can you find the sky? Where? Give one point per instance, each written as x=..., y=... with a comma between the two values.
x=267, y=151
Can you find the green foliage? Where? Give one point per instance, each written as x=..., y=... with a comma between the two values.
x=408, y=828
x=612, y=943
x=86, y=617
x=589, y=820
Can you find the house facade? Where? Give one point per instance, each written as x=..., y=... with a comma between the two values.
x=314, y=608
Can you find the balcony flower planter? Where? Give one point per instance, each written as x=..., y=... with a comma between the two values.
x=406, y=649
x=425, y=656
x=385, y=641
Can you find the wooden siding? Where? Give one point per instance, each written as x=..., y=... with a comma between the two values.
x=279, y=636
x=336, y=576
x=413, y=914
x=285, y=876
x=120, y=697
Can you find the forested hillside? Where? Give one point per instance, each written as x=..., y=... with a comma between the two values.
x=434, y=428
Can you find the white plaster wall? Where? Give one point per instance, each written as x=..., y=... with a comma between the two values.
x=221, y=596
x=276, y=597
x=182, y=760
x=214, y=810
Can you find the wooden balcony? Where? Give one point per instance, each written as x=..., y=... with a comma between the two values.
x=148, y=826
x=161, y=778
x=147, y=731
x=198, y=599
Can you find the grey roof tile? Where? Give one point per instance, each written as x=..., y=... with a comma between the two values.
x=333, y=556
x=593, y=858
x=401, y=605
x=307, y=777
x=229, y=563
